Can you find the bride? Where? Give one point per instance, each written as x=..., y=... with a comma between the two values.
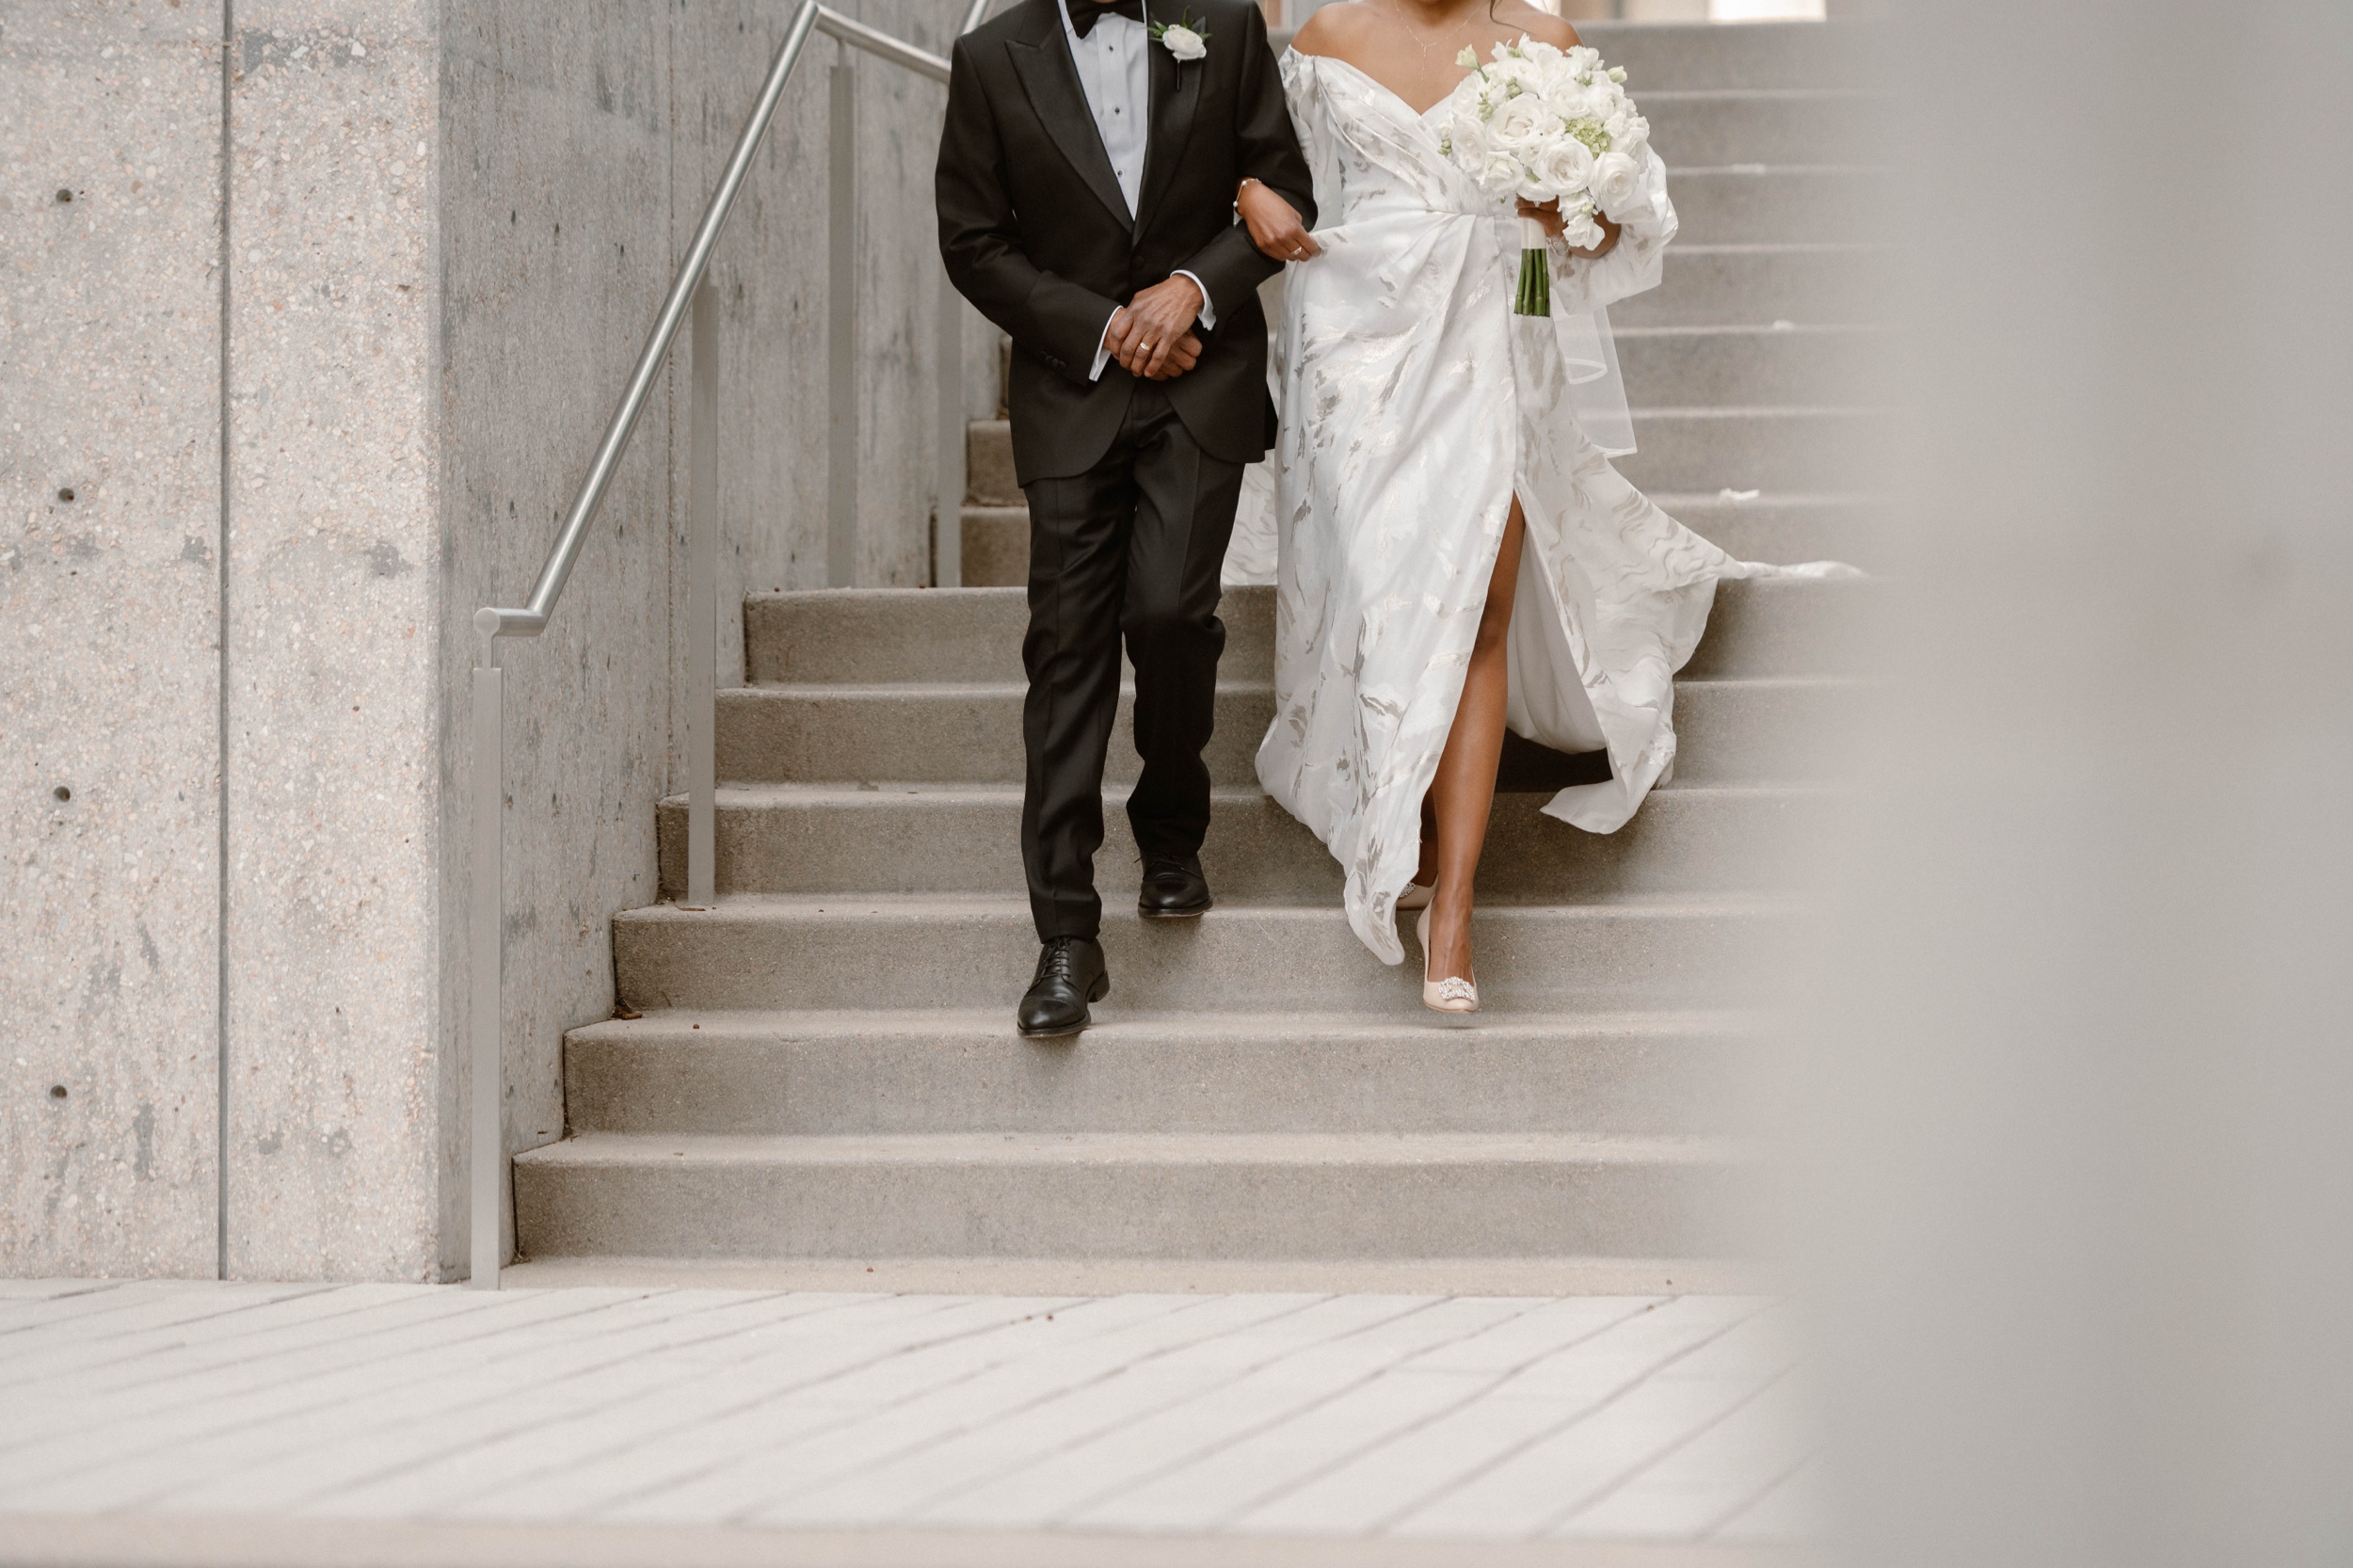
x=1455, y=552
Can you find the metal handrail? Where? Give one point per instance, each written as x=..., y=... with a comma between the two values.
x=690, y=293
x=531, y=619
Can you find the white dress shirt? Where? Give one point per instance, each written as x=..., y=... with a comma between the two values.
x=1115, y=63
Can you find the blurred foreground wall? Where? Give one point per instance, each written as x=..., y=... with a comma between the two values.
x=2079, y=1153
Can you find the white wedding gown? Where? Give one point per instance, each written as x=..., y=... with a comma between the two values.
x=1415, y=404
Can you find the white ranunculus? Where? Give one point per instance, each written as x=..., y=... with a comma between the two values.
x=1617, y=181
x=1183, y=42
x=1578, y=229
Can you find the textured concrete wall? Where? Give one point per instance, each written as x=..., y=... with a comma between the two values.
x=556, y=239
x=333, y=555
x=109, y=382
x=448, y=230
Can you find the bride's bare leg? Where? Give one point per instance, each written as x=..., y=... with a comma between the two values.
x=1464, y=789
x=1426, y=868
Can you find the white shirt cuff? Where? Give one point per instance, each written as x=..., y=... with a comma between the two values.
x=1102, y=349
x=1208, y=311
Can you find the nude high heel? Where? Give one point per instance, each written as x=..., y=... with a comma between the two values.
x=1451, y=995
x=1416, y=896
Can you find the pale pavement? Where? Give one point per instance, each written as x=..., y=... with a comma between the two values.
x=179, y=1422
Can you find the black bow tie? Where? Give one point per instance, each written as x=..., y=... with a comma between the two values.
x=1085, y=14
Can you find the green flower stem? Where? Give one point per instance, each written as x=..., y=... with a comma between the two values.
x=1534, y=297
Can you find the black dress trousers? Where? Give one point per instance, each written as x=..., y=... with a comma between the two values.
x=1131, y=548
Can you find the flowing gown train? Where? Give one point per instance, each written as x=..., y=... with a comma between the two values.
x=1415, y=405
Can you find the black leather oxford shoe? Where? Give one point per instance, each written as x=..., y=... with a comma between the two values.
x=1071, y=974
x=1174, y=889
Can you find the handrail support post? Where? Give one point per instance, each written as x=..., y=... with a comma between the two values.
x=702, y=604
x=486, y=923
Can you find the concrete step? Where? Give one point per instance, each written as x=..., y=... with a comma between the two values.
x=966, y=838
x=1784, y=529
x=1738, y=285
x=834, y=1073
x=988, y=472
x=1812, y=451
x=1685, y=55
x=1068, y=1275
x=1127, y=1195
x=1754, y=203
x=854, y=951
x=1753, y=366
x=1708, y=127
x=1779, y=528
x=872, y=635
x=996, y=545
x=1731, y=732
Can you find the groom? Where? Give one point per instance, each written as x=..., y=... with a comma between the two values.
x=1086, y=185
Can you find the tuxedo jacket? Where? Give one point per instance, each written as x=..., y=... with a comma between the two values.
x=1036, y=235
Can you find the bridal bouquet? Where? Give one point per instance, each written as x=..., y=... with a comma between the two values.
x=1545, y=124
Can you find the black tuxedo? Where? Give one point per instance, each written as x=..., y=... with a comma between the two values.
x=1131, y=484
x=1036, y=232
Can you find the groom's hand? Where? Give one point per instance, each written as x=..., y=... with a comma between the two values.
x=1182, y=359
x=1144, y=336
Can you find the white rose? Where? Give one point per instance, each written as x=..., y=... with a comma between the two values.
x=1617, y=181
x=1564, y=168
x=1183, y=42
x=1501, y=174
x=1580, y=104
x=1518, y=126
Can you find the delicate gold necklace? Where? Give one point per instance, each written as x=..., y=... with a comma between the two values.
x=1415, y=34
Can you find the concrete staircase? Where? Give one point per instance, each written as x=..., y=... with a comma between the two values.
x=825, y=1080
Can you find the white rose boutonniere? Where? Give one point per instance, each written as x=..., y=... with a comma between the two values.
x=1182, y=37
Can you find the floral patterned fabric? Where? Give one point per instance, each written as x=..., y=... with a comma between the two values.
x=1415, y=407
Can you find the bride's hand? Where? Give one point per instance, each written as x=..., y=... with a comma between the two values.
x=1275, y=226
x=1610, y=232
x=1550, y=216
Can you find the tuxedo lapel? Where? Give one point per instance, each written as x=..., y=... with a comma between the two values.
x=1176, y=90
x=1052, y=81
